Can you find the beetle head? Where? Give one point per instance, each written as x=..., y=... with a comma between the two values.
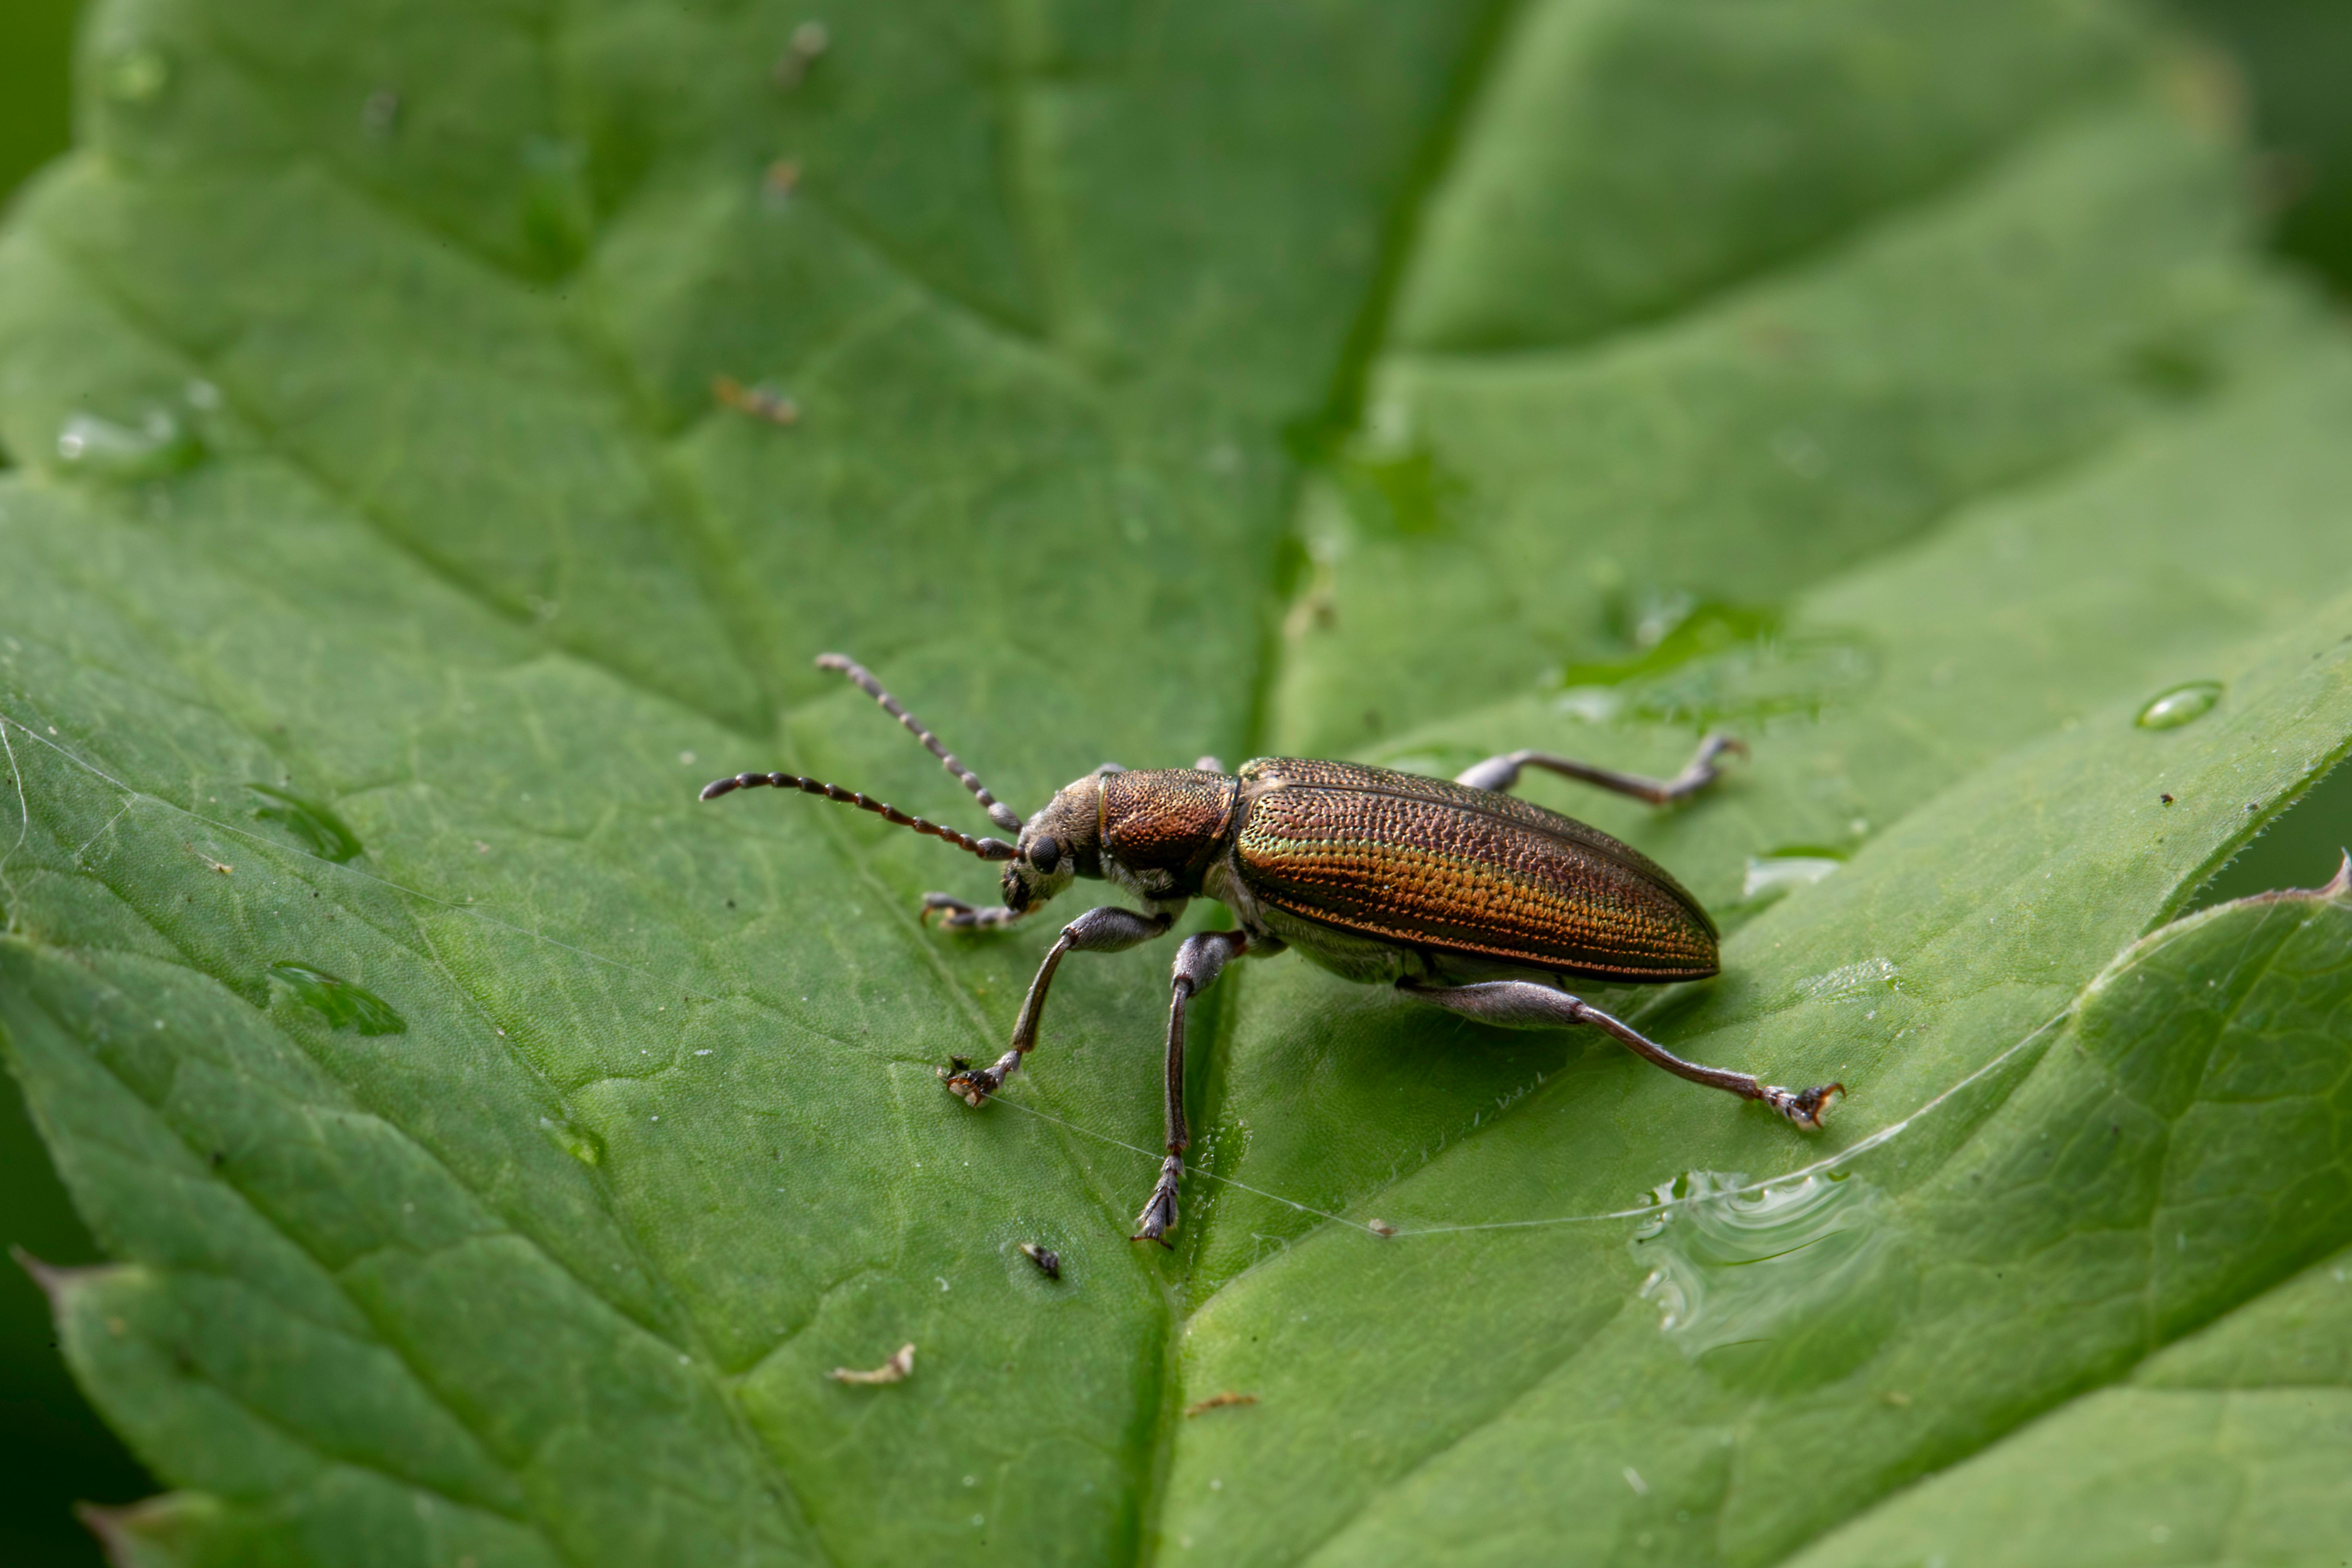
x=1058, y=844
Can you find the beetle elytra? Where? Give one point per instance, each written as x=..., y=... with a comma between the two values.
x=1456, y=894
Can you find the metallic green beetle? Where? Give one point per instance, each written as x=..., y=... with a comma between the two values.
x=1455, y=893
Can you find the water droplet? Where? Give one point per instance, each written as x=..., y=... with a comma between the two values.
x=1800, y=453
x=343, y=1004
x=1704, y=662
x=1848, y=981
x=1785, y=871
x=138, y=75
x=2183, y=704
x=556, y=208
x=380, y=112
x=322, y=831
x=158, y=445
x=580, y=1142
x=1788, y=1283
x=1593, y=704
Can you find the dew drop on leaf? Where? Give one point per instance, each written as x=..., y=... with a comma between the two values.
x=1782, y=870
x=1736, y=1266
x=2183, y=704
x=158, y=444
x=138, y=75
x=343, y=1004
x=582, y=1143
x=321, y=831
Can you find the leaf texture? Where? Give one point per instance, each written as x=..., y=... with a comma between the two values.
x=498, y=1147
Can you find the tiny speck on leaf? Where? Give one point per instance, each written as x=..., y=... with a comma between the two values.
x=898, y=1369
x=1219, y=1401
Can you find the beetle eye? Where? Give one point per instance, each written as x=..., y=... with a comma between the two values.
x=1045, y=854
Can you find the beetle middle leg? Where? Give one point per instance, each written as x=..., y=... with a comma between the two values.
x=1198, y=964
x=1109, y=929
x=1525, y=1004
x=1500, y=773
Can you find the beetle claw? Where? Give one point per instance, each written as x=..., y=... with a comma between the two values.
x=970, y=1084
x=953, y=911
x=1805, y=1109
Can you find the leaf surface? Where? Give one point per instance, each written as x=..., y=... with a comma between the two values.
x=500, y=1147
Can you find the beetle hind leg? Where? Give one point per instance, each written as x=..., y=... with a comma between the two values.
x=1501, y=773
x=1525, y=1004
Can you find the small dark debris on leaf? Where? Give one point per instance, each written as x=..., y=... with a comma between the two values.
x=809, y=40
x=2166, y=798
x=760, y=400
x=898, y=1369
x=1048, y=1262
x=1381, y=1228
x=1219, y=1401
x=220, y=1158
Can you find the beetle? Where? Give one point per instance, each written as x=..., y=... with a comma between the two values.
x=1456, y=894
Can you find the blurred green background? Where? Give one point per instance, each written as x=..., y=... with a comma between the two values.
x=2291, y=54
x=53, y=1448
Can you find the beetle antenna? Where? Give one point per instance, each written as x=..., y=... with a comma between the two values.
x=986, y=848
x=999, y=813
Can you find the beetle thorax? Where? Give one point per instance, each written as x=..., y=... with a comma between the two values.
x=1162, y=828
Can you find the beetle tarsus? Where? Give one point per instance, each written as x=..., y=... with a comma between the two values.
x=1158, y=1215
x=974, y=1085
x=1805, y=1109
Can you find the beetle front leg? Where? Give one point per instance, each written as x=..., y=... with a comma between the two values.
x=956, y=915
x=1109, y=929
x=1500, y=773
x=1198, y=964
x=1523, y=1004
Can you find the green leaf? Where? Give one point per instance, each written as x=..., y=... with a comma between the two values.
x=500, y=1147
x=2210, y=1036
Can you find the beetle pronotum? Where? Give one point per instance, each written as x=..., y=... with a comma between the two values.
x=1456, y=894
